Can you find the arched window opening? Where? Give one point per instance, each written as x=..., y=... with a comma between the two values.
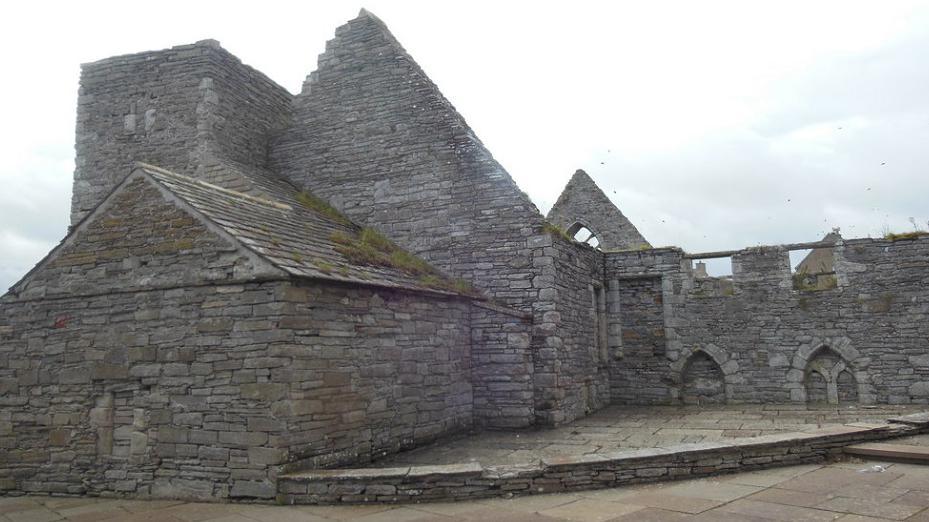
x=816, y=388
x=847, y=388
x=580, y=233
x=702, y=381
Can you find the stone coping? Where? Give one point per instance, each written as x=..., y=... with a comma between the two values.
x=589, y=471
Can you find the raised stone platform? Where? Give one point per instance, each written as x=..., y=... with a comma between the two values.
x=615, y=447
x=637, y=427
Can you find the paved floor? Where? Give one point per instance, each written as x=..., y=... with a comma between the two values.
x=618, y=427
x=848, y=491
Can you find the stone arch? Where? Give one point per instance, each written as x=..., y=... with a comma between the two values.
x=592, y=239
x=702, y=381
x=706, y=360
x=831, y=362
x=846, y=387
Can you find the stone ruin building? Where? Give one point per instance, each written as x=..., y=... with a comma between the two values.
x=254, y=279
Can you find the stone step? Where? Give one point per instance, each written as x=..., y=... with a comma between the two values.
x=916, y=454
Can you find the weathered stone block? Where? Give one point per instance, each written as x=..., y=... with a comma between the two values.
x=265, y=456
x=253, y=489
x=182, y=488
x=59, y=437
x=80, y=375
x=264, y=391
x=242, y=438
x=109, y=371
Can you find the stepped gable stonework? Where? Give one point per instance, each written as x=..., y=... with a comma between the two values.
x=583, y=204
x=256, y=283
x=373, y=135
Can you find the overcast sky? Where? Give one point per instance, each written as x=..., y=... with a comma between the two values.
x=711, y=125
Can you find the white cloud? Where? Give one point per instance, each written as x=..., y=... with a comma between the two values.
x=705, y=118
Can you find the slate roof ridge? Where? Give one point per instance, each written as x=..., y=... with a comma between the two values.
x=233, y=193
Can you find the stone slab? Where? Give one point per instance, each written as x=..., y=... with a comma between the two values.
x=890, y=451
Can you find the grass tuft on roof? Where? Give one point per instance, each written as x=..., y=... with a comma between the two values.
x=316, y=204
x=371, y=248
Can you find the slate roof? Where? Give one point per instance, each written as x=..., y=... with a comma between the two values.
x=272, y=221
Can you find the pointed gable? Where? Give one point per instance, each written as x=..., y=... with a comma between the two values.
x=162, y=229
x=583, y=204
x=141, y=236
x=303, y=236
x=373, y=135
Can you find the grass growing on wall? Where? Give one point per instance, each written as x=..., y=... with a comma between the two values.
x=554, y=230
x=814, y=282
x=316, y=204
x=894, y=236
x=370, y=248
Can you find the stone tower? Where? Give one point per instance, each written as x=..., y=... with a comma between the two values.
x=187, y=109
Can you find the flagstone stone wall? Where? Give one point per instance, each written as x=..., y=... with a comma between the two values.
x=766, y=336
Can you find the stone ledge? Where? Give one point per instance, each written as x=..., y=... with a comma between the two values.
x=890, y=451
x=914, y=419
x=591, y=471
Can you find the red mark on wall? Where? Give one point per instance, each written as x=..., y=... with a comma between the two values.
x=61, y=321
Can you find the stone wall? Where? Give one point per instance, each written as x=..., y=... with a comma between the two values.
x=202, y=392
x=768, y=338
x=639, y=329
x=368, y=373
x=148, y=355
x=179, y=108
x=501, y=367
x=571, y=364
x=141, y=392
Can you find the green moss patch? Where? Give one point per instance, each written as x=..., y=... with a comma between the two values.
x=323, y=266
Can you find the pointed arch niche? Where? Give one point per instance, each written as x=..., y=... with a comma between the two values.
x=704, y=375
x=829, y=371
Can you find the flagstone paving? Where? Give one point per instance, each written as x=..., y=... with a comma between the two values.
x=619, y=427
x=847, y=491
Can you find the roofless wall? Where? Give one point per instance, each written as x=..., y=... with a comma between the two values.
x=771, y=336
